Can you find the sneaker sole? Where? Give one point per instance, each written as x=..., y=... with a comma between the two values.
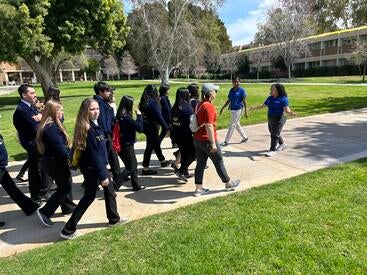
x=66, y=237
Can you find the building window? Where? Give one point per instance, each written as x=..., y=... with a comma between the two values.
x=348, y=41
x=331, y=43
x=315, y=46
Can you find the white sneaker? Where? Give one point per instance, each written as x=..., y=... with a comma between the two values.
x=230, y=186
x=69, y=236
x=121, y=221
x=201, y=192
x=281, y=147
x=270, y=154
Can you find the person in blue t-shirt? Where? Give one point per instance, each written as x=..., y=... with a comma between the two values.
x=277, y=104
x=237, y=102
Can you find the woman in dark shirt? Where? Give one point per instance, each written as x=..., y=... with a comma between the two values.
x=90, y=139
x=54, y=145
x=152, y=120
x=128, y=129
x=181, y=132
x=166, y=108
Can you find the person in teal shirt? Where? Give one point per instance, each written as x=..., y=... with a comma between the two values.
x=237, y=101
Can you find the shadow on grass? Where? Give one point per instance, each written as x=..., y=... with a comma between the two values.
x=333, y=104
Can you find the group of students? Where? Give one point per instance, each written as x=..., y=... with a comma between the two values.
x=51, y=151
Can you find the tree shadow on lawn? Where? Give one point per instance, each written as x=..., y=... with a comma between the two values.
x=322, y=141
x=332, y=104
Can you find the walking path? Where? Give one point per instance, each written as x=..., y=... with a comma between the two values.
x=313, y=143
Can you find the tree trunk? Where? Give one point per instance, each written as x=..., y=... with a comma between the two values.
x=289, y=72
x=164, y=75
x=128, y=77
x=364, y=72
x=257, y=74
x=42, y=73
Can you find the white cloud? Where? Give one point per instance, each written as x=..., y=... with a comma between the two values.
x=242, y=31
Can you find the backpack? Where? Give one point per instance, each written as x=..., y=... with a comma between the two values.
x=73, y=158
x=194, y=127
x=116, y=142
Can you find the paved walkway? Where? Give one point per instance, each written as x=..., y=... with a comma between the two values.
x=313, y=143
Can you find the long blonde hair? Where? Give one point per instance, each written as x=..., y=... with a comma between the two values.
x=49, y=115
x=82, y=125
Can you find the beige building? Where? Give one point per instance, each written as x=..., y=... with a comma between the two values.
x=325, y=50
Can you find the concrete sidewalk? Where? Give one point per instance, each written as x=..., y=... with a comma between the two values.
x=313, y=143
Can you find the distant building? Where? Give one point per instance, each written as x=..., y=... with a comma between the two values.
x=324, y=50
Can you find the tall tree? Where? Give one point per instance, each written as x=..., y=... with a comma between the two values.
x=359, y=57
x=285, y=26
x=45, y=28
x=163, y=29
x=128, y=66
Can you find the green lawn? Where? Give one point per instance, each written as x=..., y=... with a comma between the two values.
x=305, y=100
x=314, y=223
x=355, y=79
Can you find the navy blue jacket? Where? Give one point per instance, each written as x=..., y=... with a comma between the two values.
x=166, y=109
x=181, y=121
x=153, y=114
x=55, y=142
x=94, y=157
x=106, y=118
x=3, y=154
x=128, y=129
x=26, y=125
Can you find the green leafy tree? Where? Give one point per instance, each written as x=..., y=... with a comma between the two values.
x=38, y=31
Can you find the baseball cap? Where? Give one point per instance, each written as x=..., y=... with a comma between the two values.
x=208, y=87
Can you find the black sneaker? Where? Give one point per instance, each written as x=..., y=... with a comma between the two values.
x=181, y=176
x=2, y=224
x=71, y=236
x=45, y=220
x=20, y=178
x=188, y=175
x=139, y=188
x=166, y=163
x=148, y=172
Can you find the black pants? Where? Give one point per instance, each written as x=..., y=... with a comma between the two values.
x=23, y=169
x=275, y=126
x=128, y=157
x=26, y=204
x=153, y=142
x=91, y=185
x=38, y=180
x=187, y=150
x=59, y=171
x=202, y=154
x=113, y=159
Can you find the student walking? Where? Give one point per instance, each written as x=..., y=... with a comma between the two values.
x=27, y=205
x=26, y=119
x=91, y=140
x=128, y=129
x=166, y=108
x=152, y=120
x=194, y=94
x=181, y=113
x=237, y=103
x=277, y=104
x=54, y=145
x=206, y=143
x=106, y=121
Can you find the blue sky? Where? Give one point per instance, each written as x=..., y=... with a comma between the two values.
x=241, y=18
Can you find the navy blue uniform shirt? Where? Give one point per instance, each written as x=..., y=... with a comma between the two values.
x=129, y=127
x=94, y=157
x=153, y=114
x=55, y=142
x=25, y=124
x=181, y=121
x=106, y=118
x=166, y=109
